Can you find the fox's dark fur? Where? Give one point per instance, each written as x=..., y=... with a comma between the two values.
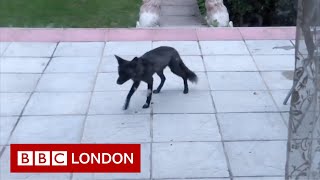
x=155, y=61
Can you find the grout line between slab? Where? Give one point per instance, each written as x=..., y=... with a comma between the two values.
x=215, y=109
x=90, y=99
x=25, y=105
x=92, y=90
x=5, y=49
x=151, y=139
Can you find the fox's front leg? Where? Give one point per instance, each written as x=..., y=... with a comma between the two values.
x=149, y=95
x=134, y=87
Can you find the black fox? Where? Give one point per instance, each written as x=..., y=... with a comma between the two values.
x=155, y=61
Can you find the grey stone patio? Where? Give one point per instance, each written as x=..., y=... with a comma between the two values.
x=180, y=13
x=232, y=124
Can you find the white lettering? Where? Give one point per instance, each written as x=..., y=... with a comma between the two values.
x=114, y=158
x=126, y=157
x=72, y=159
x=103, y=158
x=59, y=158
x=81, y=158
x=94, y=157
x=25, y=158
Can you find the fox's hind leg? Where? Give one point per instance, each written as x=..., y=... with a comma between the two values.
x=176, y=69
x=186, y=88
x=163, y=79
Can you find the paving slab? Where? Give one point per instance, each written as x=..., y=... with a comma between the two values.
x=6, y=126
x=286, y=117
x=30, y=49
x=183, y=47
x=121, y=129
x=174, y=82
x=178, y=2
x=110, y=63
x=145, y=169
x=252, y=126
x=6, y=175
x=229, y=63
x=112, y=102
x=73, y=65
x=79, y=49
x=236, y=81
x=182, y=10
x=107, y=82
x=194, y=63
x=12, y=103
x=48, y=129
x=243, y=101
x=126, y=48
x=178, y=160
x=259, y=158
x=270, y=47
x=180, y=21
x=223, y=47
x=66, y=82
x=60, y=104
x=275, y=62
x=23, y=65
x=2, y=149
x=279, y=96
x=185, y=127
x=202, y=179
x=177, y=102
x=3, y=47
x=278, y=80
x=18, y=82
x=259, y=178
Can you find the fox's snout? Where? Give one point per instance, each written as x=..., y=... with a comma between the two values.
x=119, y=82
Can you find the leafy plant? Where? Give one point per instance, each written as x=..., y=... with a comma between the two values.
x=202, y=6
x=259, y=13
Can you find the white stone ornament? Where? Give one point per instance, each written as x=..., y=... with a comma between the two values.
x=217, y=14
x=149, y=14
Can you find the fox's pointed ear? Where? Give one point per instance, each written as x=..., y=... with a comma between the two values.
x=120, y=60
x=135, y=59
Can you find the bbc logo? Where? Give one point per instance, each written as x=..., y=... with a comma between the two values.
x=71, y=158
x=42, y=158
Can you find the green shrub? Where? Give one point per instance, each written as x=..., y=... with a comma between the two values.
x=202, y=7
x=259, y=13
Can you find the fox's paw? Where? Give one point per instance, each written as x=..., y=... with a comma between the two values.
x=125, y=107
x=156, y=91
x=145, y=106
x=186, y=91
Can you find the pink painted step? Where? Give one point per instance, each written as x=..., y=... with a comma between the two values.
x=123, y=34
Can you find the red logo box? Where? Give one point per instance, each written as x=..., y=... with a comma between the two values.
x=82, y=158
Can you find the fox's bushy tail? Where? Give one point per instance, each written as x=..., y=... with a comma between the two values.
x=191, y=76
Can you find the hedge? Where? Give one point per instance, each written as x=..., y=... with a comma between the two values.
x=259, y=13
